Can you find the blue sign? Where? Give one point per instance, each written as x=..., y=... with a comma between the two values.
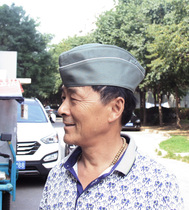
x=20, y=164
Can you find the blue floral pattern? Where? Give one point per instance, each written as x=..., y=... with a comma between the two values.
x=147, y=185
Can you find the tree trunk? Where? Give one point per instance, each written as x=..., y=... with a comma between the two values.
x=144, y=107
x=177, y=109
x=154, y=94
x=160, y=109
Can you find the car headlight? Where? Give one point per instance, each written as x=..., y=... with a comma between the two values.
x=51, y=157
x=50, y=139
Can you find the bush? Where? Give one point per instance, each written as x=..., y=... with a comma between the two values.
x=169, y=115
x=184, y=113
x=153, y=115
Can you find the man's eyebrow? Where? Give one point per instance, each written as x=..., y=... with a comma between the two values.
x=72, y=90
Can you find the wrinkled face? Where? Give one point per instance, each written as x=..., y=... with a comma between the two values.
x=84, y=115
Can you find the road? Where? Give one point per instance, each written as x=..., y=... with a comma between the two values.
x=28, y=193
x=29, y=190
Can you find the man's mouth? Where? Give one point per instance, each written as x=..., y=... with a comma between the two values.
x=69, y=124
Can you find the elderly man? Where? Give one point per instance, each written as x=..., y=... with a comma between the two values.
x=106, y=170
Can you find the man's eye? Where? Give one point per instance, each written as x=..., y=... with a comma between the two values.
x=73, y=99
x=63, y=98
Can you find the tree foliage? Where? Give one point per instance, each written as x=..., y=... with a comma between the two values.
x=126, y=25
x=169, y=55
x=19, y=33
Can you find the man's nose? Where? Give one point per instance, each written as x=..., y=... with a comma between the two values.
x=64, y=108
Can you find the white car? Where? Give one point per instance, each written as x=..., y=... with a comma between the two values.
x=38, y=146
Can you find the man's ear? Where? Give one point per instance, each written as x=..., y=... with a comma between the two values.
x=117, y=107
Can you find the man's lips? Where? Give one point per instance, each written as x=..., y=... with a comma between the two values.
x=67, y=124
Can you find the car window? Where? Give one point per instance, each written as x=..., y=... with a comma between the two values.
x=35, y=114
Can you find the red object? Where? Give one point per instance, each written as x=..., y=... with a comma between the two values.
x=10, y=88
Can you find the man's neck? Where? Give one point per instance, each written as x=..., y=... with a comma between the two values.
x=96, y=159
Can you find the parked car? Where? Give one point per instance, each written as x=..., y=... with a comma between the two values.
x=55, y=107
x=38, y=146
x=51, y=114
x=133, y=124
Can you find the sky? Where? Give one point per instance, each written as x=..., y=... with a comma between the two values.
x=63, y=18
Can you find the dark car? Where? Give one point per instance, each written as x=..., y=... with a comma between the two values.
x=133, y=124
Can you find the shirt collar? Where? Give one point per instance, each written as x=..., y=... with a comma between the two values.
x=124, y=164
x=129, y=156
x=72, y=158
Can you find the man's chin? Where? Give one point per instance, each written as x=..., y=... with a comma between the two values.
x=68, y=139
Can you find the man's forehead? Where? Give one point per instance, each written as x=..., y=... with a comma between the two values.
x=69, y=89
x=75, y=89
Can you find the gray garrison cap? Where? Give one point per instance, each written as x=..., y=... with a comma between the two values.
x=99, y=64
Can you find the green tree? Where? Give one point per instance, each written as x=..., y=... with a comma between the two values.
x=18, y=33
x=170, y=59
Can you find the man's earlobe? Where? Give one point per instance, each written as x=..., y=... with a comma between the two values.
x=117, y=107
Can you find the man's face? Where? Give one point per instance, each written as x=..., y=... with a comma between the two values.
x=84, y=115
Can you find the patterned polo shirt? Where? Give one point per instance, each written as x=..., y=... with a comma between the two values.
x=134, y=182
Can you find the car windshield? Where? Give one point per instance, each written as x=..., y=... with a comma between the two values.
x=34, y=114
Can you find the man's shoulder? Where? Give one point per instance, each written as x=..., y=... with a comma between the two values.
x=148, y=165
x=146, y=162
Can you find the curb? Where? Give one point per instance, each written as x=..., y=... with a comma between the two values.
x=156, y=132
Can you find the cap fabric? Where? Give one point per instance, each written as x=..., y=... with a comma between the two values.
x=99, y=64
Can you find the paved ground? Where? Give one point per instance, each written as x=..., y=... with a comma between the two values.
x=180, y=169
